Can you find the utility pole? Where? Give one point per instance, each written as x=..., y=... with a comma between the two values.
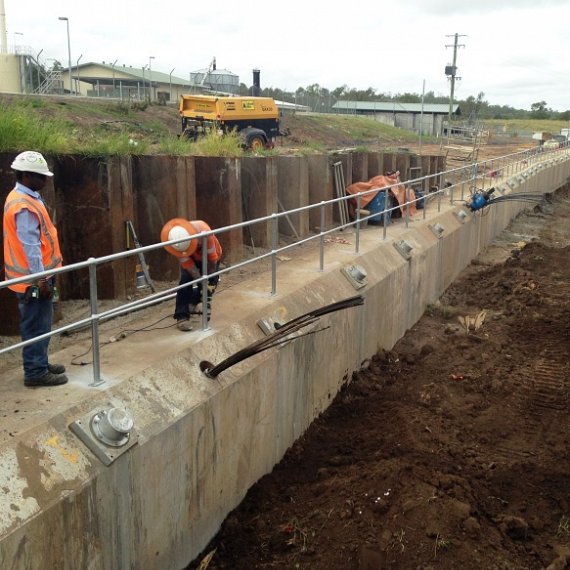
x=451, y=70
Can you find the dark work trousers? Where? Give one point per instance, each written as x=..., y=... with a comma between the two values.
x=36, y=319
x=188, y=297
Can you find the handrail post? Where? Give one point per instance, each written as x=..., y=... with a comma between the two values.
x=385, y=220
x=274, y=234
x=322, y=238
x=97, y=380
x=203, y=284
x=357, y=241
x=407, y=197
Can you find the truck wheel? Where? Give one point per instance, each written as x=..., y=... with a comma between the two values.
x=256, y=142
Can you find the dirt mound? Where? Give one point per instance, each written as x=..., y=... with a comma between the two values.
x=448, y=451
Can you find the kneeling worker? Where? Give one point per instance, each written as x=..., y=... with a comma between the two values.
x=190, y=254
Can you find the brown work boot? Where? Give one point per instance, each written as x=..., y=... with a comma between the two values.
x=184, y=325
x=56, y=368
x=48, y=379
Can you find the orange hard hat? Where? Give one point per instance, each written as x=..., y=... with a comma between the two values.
x=179, y=228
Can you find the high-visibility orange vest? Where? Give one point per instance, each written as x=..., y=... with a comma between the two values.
x=214, y=251
x=15, y=259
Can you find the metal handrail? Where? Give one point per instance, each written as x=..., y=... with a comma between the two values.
x=467, y=175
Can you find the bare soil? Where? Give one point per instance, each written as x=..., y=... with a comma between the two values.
x=448, y=451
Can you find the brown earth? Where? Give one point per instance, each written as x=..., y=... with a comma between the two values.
x=448, y=451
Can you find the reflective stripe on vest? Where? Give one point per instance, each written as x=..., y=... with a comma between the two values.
x=15, y=260
x=214, y=248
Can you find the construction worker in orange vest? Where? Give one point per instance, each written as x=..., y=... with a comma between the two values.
x=189, y=254
x=31, y=246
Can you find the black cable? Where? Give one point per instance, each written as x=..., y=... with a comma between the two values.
x=143, y=329
x=277, y=337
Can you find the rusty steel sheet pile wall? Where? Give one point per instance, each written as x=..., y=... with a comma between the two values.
x=201, y=442
x=164, y=187
x=92, y=198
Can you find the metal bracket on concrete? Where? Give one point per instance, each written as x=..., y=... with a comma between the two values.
x=437, y=230
x=107, y=433
x=268, y=325
x=272, y=322
x=404, y=248
x=356, y=275
x=461, y=215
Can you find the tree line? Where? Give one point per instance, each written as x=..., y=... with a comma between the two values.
x=475, y=108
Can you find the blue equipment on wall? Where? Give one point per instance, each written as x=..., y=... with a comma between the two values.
x=481, y=199
x=377, y=206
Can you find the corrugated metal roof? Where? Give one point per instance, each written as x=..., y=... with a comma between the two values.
x=134, y=72
x=394, y=107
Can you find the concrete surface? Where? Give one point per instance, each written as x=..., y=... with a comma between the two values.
x=201, y=443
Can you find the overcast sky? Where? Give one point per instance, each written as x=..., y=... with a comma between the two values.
x=516, y=51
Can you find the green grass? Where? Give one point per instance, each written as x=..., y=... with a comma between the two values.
x=311, y=148
x=174, y=146
x=19, y=128
x=213, y=144
x=535, y=125
x=360, y=127
x=116, y=144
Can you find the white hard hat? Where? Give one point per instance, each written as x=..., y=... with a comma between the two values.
x=179, y=228
x=178, y=232
x=31, y=161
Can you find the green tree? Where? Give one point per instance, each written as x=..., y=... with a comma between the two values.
x=539, y=110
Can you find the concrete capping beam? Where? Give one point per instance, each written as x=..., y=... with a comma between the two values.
x=202, y=443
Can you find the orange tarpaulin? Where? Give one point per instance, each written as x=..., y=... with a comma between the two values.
x=381, y=182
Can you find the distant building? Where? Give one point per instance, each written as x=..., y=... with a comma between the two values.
x=427, y=119
x=23, y=73
x=125, y=82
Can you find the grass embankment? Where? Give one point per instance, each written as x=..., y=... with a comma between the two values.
x=61, y=125
x=98, y=129
x=359, y=132
x=91, y=127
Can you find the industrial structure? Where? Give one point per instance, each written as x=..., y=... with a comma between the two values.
x=425, y=119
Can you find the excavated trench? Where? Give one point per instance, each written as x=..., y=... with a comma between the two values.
x=448, y=451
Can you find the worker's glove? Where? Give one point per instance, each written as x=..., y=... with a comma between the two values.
x=212, y=284
x=45, y=287
x=213, y=281
x=194, y=272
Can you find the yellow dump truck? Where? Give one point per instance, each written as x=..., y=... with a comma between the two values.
x=255, y=118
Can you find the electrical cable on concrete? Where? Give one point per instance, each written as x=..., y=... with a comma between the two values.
x=280, y=336
x=120, y=336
